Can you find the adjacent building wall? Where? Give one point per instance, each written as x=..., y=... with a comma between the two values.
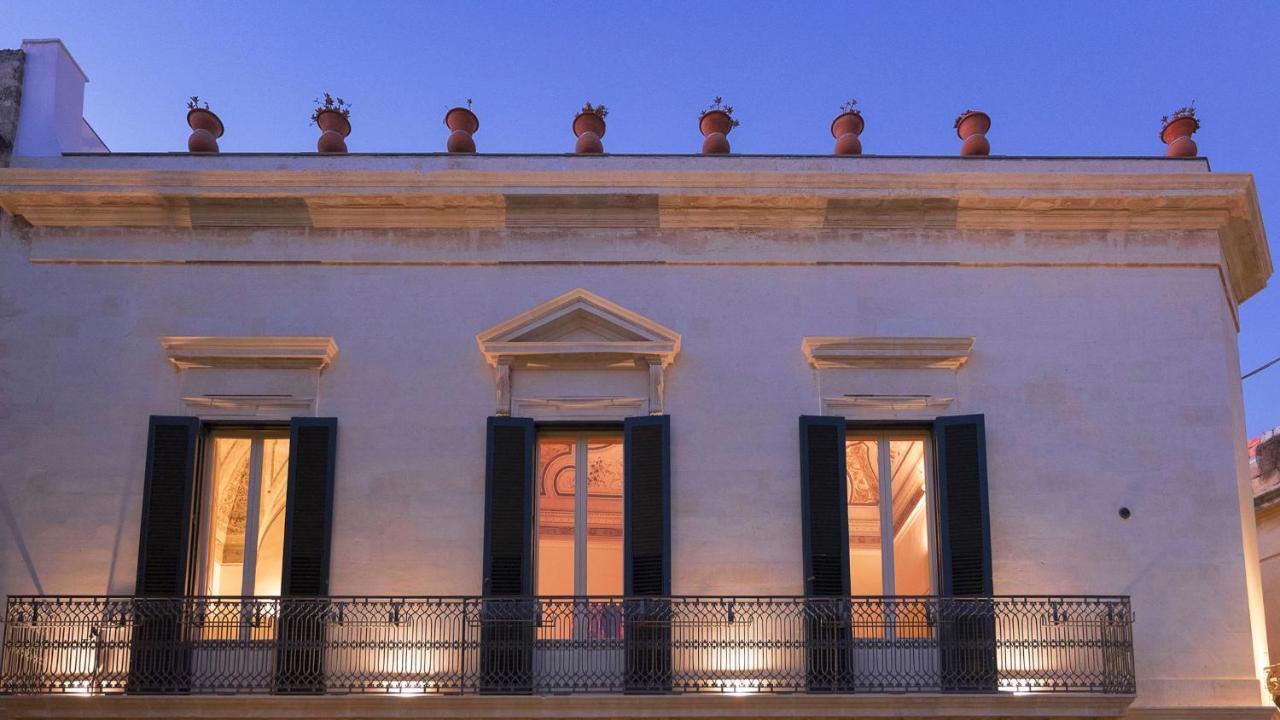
x=10, y=98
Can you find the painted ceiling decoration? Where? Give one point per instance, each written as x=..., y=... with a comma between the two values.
x=864, y=487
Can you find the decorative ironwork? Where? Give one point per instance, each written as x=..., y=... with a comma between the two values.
x=547, y=645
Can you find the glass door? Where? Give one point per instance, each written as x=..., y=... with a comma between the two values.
x=891, y=565
x=579, y=555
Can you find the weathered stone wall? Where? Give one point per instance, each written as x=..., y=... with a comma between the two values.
x=1104, y=362
x=10, y=99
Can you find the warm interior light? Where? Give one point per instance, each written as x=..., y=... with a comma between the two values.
x=408, y=688
x=739, y=687
x=1021, y=686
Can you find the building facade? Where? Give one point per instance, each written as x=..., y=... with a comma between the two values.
x=628, y=436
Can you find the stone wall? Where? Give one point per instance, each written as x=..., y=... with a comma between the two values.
x=1104, y=361
x=10, y=98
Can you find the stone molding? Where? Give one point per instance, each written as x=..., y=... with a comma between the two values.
x=249, y=352
x=456, y=198
x=885, y=402
x=578, y=330
x=580, y=408
x=947, y=353
x=612, y=707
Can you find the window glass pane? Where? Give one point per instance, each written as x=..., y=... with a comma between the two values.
x=227, y=516
x=863, y=467
x=556, y=478
x=273, y=491
x=911, y=569
x=604, y=516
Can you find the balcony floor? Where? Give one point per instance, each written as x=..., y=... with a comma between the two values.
x=614, y=707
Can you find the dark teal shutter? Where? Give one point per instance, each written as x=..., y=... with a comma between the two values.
x=646, y=445
x=825, y=522
x=966, y=632
x=824, y=506
x=161, y=661
x=508, y=613
x=308, y=525
x=164, y=545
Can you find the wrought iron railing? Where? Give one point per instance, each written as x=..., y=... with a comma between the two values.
x=566, y=645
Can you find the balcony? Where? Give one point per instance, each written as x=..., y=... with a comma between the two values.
x=565, y=645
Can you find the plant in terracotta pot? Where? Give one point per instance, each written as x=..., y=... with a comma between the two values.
x=972, y=127
x=846, y=128
x=206, y=127
x=715, y=123
x=462, y=124
x=333, y=117
x=1177, y=129
x=589, y=127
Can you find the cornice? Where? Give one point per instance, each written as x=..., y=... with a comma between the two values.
x=451, y=198
x=270, y=353
x=947, y=353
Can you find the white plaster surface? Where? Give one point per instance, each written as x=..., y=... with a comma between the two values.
x=1105, y=364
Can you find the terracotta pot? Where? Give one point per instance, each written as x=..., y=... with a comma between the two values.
x=975, y=146
x=588, y=144
x=333, y=120
x=460, y=141
x=973, y=123
x=204, y=119
x=1177, y=135
x=202, y=141
x=206, y=128
x=331, y=141
x=845, y=129
x=463, y=124
x=588, y=122
x=716, y=143
x=589, y=127
x=715, y=121
x=972, y=129
x=847, y=123
x=461, y=118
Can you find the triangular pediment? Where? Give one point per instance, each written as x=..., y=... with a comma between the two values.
x=579, y=327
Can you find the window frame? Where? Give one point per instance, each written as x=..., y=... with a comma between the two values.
x=256, y=433
x=581, y=434
x=882, y=432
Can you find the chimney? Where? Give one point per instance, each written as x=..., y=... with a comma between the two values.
x=51, y=116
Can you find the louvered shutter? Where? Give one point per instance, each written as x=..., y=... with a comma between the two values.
x=161, y=660
x=646, y=464
x=313, y=445
x=507, y=622
x=966, y=632
x=825, y=521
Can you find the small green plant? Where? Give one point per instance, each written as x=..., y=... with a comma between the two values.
x=1188, y=111
x=599, y=111
x=330, y=104
x=850, y=106
x=717, y=105
x=195, y=104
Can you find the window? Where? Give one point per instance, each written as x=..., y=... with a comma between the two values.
x=579, y=525
x=242, y=537
x=890, y=529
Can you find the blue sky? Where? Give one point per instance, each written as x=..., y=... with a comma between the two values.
x=1058, y=78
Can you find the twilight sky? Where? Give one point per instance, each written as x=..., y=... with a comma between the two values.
x=1058, y=78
